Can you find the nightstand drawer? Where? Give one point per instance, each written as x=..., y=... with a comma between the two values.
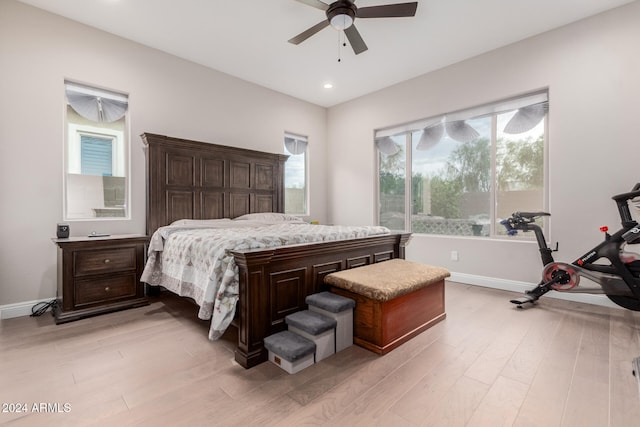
x=105, y=289
x=104, y=261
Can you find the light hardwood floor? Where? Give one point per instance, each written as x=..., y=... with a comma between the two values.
x=487, y=364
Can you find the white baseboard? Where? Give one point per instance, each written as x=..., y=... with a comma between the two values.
x=521, y=287
x=20, y=309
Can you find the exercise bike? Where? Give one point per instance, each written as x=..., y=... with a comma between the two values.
x=617, y=273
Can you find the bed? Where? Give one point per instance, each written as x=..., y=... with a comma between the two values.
x=195, y=186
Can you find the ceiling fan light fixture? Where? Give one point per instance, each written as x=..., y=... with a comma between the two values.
x=341, y=14
x=341, y=22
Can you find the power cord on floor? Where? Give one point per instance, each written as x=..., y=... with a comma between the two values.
x=40, y=308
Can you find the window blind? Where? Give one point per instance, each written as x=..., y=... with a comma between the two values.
x=295, y=144
x=531, y=107
x=96, y=104
x=96, y=155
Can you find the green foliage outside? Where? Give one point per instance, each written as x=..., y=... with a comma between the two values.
x=521, y=162
x=468, y=169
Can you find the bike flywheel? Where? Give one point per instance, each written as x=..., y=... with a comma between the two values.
x=553, y=270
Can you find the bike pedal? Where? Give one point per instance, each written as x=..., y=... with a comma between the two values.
x=522, y=300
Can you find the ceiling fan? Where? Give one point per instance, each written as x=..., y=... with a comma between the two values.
x=342, y=13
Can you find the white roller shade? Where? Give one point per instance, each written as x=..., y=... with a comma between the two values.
x=295, y=144
x=95, y=104
x=531, y=109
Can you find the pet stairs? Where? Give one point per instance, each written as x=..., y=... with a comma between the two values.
x=314, y=334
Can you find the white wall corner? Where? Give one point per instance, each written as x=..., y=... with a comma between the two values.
x=521, y=287
x=20, y=309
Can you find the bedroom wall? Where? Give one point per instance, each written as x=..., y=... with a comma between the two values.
x=592, y=70
x=167, y=96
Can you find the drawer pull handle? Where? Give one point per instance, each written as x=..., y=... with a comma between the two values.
x=107, y=289
x=107, y=261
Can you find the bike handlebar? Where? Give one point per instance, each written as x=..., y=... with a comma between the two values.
x=623, y=207
x=521, y=221
x=635, y=192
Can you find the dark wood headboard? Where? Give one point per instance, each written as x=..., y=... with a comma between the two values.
x=199, y=180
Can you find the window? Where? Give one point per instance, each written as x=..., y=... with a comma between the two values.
x=96, y=154
x=469, y=169
x=295, y=175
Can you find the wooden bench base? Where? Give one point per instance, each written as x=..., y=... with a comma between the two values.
x=383, y=326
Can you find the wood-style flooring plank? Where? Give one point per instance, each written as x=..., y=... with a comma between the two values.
x=372, y=370
x=530, y=353
x=467, y=345
x=458, y=407
x=547, y=396
x=376, y=401
x=588, y=398
x=624, y=389
x=500, y=405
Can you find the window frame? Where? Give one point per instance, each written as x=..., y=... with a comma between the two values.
x=74, y=147
x=72, y=160
x=407, y=129
x=305, y=153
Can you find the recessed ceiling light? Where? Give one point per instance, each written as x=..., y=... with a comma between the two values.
x=328, y=85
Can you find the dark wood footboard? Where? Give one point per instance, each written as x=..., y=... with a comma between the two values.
x=274, y=283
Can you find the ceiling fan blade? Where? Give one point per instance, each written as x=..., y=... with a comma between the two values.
x=315, y=3
x=398, y=10
x=309, y=32
x=355, y=40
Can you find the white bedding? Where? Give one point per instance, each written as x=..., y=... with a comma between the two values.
x=193, y=259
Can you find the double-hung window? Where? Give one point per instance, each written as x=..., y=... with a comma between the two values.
x=295, y=175
x=461, y=173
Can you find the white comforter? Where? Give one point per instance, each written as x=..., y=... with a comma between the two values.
x=194, y=260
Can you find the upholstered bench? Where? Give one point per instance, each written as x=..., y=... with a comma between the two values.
x=395, y=301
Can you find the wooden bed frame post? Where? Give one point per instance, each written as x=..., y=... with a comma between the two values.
x=253, y=320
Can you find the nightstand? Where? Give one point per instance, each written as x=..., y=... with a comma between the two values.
x=98, y=275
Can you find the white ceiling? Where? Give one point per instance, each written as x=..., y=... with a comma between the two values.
x=248, y=38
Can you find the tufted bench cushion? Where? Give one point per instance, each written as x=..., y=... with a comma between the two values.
x=387, y=280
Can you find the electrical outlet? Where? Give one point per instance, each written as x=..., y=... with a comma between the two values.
x=454, y=255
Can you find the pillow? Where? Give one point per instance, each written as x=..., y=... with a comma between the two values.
x=269, y=217
x=199, y=222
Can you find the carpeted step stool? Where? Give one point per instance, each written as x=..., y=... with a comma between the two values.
x=290, y=351
x=338, y=308
x=315, y=327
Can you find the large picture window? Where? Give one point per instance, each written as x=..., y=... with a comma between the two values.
x=468, y=170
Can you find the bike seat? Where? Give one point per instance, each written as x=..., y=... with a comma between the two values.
x=530, y=215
